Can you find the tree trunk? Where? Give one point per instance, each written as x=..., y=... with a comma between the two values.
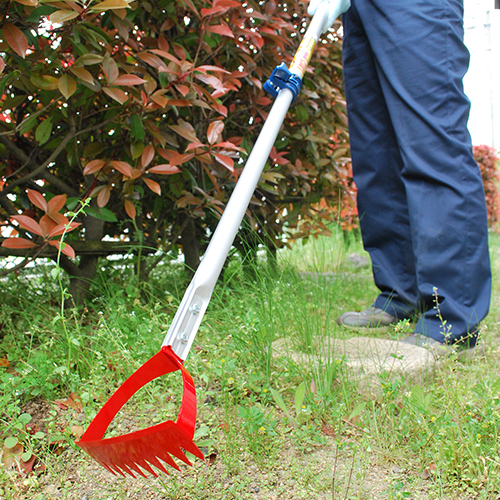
x=81, y=276
x=79, y=283
x=190, y=247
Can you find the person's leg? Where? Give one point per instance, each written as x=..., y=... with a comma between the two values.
x=420, y=62
x=377, y=165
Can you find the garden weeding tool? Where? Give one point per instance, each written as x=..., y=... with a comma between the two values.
x=138, y=451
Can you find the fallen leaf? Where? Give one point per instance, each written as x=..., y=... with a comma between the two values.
x=77, y=431
x=11, y=457
x=329, y=431
x=429, y=472
x=73, y=401
x=32, y=465
x=4, y=362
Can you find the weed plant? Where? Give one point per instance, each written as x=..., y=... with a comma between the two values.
x=264, y=390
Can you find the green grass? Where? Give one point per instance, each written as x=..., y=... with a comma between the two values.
x=274, y=426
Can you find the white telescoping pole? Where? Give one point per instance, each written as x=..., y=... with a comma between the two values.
x=185, y=324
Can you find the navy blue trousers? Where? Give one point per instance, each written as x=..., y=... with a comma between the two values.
x=420, y=195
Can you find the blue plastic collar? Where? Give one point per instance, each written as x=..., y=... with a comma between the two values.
x=282, y=78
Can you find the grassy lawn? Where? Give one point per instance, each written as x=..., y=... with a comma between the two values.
x=270, y=425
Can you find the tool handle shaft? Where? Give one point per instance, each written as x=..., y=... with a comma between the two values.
x=186, y=322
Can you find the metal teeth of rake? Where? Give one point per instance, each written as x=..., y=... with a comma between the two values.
x=138, y=451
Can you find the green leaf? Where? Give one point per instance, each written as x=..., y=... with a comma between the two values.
x=137, y=128
x=301, y=113
x=300, y=393
x=26, y=456
x=102, y=214
x=44, y=82
x=43, y=10
x=109, y=5
x=27, y=124
x=10, y=442
x=89, y=59
x=357, y=410
x=72, y=203
x=136, y=149
x=63, y=15
x=67, y=85
x=280, y=402
x=24, y=418
x=43, y=131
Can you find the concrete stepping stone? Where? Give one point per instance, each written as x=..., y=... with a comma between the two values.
x=367, y=358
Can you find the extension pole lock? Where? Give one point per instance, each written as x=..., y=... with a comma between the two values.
x=281, y=78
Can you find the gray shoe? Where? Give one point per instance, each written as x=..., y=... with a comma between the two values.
x=463, y=353
x=369, y=318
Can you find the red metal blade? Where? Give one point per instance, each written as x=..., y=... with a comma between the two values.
x=133, y=452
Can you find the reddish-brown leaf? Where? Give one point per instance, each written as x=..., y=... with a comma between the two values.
x=37, y=199
x=161, y=100
x=180, y=52
x=213, y=11
x=214, y=131
x=57, y=218
x=229, y=145
x=130, y=209
x=152, y=60
x=12, y=456
x=179, y=102
x=195, y=145
x=47, y=224
x=103, y=196
x=56, y=203
x=207, y=67
x=93, y=166
x=183, y=89
x=154, y=186
x=116, y=94
x=73, y=401
x=180, y=159
x=128, y=80
x=164, y=169
x=17, y=243
x=64, y=247
x=122, y=167
x=62, y=228
x=221, y=29
x=147, y=156
x=16, y=39
x=163, y=43
x=329, y=431
x=110, y=69
x=225, y=160
x=168, y=154
x=29, y=224
x=166, y=55
x=186, y=130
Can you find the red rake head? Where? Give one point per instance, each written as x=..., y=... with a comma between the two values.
x=141, y=449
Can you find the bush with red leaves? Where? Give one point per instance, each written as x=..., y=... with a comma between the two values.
x=488, y=163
